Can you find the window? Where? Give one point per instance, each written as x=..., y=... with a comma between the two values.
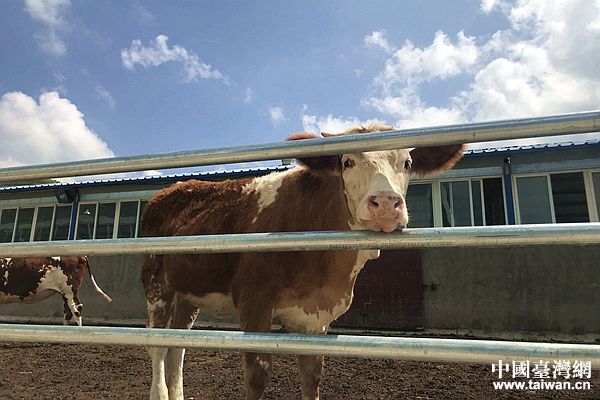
x=596, y=183
x=62, y=222
x=554, y=198
x=85, y=221
x=127, y=219
x=24, y=225
x=472, y=202
x=493, y=199
x=7, y=224
x=420, y=206
x=106, y=221
x=43, y=223
x=534, y=200
x=568, y=194
x=456, y=203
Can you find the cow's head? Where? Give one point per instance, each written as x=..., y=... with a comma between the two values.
x=375, y=182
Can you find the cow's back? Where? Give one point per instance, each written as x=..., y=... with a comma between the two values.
x=198, y=207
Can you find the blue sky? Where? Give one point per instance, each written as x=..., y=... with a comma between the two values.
x=86, y=79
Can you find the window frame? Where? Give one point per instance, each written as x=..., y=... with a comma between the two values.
x=437, y=192
x=16, y=208
x=34, y=222
x=434, y=194
x=588, y=188
x=116, y=216
x=590, y=195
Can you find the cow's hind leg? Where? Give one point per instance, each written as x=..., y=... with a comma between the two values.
x=67, y=311
x=72, y=307
x=183, y=317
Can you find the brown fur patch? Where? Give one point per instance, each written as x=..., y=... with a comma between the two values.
x=428, y=161
x=322, y=163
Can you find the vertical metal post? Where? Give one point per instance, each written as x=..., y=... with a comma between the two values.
x=75, y=206
x=508, y=189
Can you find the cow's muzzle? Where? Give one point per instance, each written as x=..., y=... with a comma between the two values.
x=384, y=212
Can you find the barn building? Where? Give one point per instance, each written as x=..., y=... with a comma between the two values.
x=545, y=291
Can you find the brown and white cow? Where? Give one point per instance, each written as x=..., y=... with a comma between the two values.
x=304, y=291
x=32, y=279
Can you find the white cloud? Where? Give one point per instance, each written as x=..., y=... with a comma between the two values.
x=158, y=52
x=51, y=130
x=377, y=39
x=277, y=116
x=50, y=13
x=545, y=63
x=249, y=96
x=141, y=14
x=105, y=96
x=329, y=123
x=442, y=59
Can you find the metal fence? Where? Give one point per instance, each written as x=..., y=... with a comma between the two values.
x=342, y=345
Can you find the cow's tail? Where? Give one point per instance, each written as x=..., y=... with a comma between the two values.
x=94, y=282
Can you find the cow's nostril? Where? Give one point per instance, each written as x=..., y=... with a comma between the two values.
x=372, y=202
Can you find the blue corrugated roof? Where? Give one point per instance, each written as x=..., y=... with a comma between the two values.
x=533, y=147
x=246, y=172
x=156, y=179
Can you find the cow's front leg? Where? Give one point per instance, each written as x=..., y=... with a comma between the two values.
x=257, y=366
x=158, y=390
x=311, y=368
x=257, y=371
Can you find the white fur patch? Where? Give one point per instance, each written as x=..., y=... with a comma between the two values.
x=57, y=259
x=361, y=259
x=263, y=364
x=297, y=319
x=266, y=187
x=217, y=304
x=54, y=279
x=158, y=304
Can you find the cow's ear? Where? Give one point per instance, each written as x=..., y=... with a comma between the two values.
x=321, y=163
x=427, y=161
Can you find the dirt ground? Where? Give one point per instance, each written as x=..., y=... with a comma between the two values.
x=52, y=371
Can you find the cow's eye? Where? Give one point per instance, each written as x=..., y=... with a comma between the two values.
x=349, y=163
x=407, y=164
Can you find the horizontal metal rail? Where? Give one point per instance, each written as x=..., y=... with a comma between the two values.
x=463, y=133
x=422, y=349
x=498, y=236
